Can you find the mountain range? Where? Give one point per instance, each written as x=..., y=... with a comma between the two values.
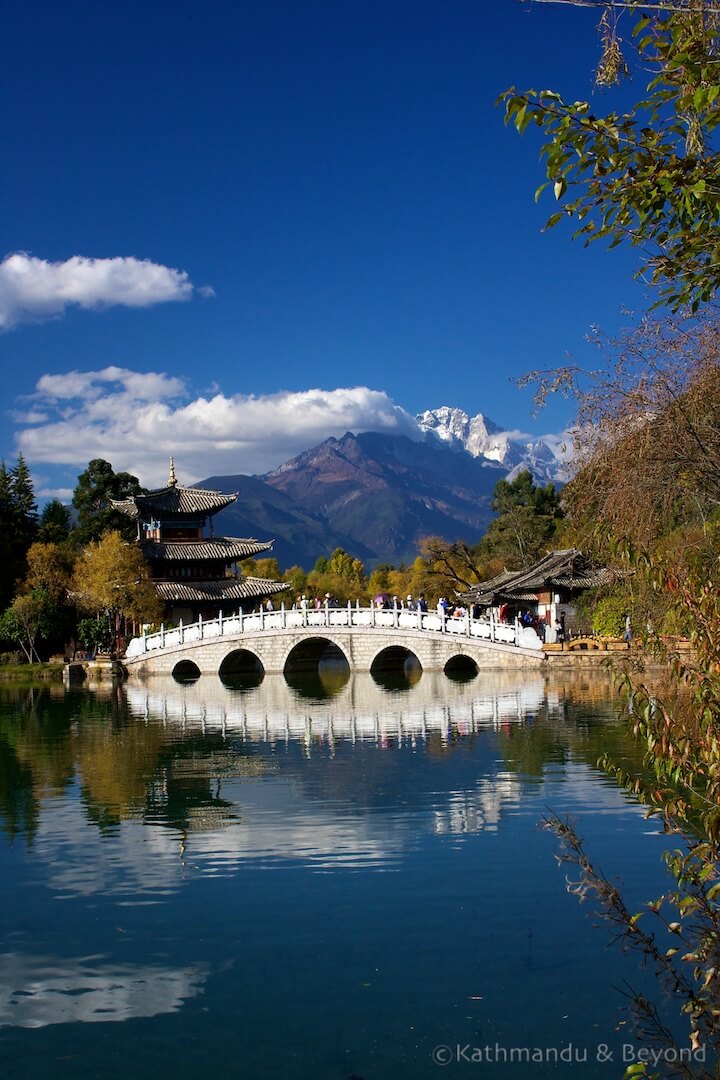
x=376, y=495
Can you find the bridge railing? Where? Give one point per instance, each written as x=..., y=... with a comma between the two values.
x=431, y=622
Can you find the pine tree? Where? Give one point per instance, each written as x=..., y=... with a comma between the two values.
x=55, y=523
x=18, y=525
x=23, y=500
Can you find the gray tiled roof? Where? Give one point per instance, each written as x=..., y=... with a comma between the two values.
x=566, y=569
x=225, y=589
x=228, y=548
x=175, y=500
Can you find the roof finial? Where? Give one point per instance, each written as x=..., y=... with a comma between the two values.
x=173, y=479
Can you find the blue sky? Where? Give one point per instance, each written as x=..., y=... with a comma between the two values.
x=307, y=197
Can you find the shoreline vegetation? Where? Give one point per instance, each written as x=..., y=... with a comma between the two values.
x=15, y=672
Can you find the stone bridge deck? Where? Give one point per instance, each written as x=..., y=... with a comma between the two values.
x=365, y=637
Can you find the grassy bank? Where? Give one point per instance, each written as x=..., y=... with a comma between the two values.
x=31, y=671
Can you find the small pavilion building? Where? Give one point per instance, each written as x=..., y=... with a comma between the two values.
x=195, y=572
x=548, y=588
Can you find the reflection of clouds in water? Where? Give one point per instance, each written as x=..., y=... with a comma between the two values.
x=37, y=991
x=362, y=710
x=134, y=858
x=143, y=862
x=318, y=840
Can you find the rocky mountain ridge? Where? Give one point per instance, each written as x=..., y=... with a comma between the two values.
x=377, y=495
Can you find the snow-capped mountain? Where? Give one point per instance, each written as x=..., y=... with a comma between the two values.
x=477, y=435
x=545, y=457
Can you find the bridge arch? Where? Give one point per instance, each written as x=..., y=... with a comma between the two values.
x=313, y=652
x=316, y=667
x=461, y=667
x=241, y=667
x=186, y=671
x=396, y=658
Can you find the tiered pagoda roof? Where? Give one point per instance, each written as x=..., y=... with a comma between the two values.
x=225, y=589
x=223, y=548
x=175, y=500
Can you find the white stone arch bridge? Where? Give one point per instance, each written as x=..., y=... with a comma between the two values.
x=367, y=639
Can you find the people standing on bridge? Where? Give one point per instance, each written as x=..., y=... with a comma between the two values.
x=422, y=603
x=409, y=604
x=303, y=603
x=269, y=606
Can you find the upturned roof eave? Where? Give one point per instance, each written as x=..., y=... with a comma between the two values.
x=555, y=570
x=176, y=499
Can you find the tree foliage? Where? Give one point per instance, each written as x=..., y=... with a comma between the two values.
x=647, y=433
x=112, y=576
x=50, y=567
x=677, y=721
x=96, y=486
x=55, y=523
x=647, y=176
x=527, y=524
x=31, y=615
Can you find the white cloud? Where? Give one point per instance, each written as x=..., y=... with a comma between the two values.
x=137, y=420
x=32, y=416
x=33, y=289
x=64, y=494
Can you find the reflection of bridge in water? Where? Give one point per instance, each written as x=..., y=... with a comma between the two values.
x=358, y=710
x=360, y=639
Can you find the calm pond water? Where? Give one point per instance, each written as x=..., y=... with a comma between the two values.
x=308, y=882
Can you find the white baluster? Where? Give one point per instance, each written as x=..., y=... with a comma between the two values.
x=200, y=626
x=181, y=630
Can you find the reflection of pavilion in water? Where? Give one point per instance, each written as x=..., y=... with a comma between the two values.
x=478, y=810
x=360, y=710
